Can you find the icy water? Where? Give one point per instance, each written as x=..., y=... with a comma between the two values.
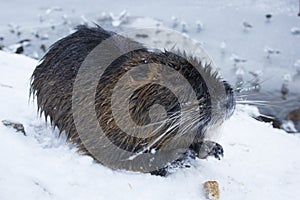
x=251, y=51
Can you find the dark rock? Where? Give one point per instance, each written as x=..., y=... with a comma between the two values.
x=276, y=123
x=15, y=125
x=20, y=50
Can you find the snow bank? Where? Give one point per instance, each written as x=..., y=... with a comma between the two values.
x=260, y=162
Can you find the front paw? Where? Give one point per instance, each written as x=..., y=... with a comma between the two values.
x=208, y=148
x=217, y=151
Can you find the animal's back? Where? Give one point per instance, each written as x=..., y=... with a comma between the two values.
x=53, y=78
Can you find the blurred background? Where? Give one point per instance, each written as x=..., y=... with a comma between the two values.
x=255, y=44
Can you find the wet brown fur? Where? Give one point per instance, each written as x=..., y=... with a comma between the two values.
x=53, y=81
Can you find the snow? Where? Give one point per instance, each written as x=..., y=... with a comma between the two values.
x=259, y=163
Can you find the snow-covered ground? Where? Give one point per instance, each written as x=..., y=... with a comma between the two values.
x=259, y=163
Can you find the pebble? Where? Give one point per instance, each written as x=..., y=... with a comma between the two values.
x=15, y=125
x=276, y=123
x=212, y=190
x=19, y=50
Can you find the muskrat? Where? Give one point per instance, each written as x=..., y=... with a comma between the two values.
x=62, y=99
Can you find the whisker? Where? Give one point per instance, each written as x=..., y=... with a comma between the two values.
x=250, y=101
x=251, y=82
x=258, y=103
x=238, y=95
